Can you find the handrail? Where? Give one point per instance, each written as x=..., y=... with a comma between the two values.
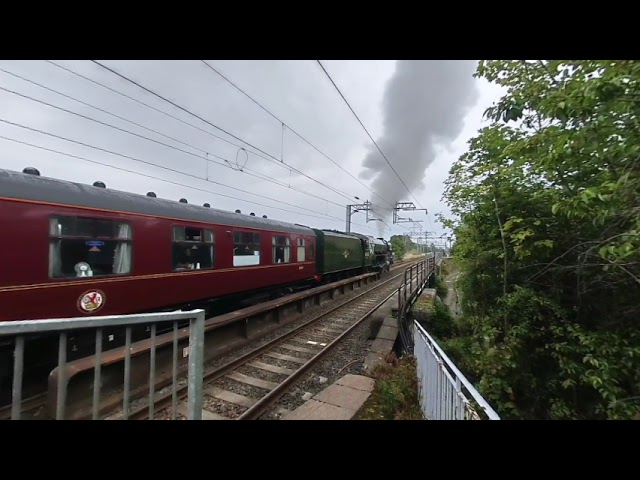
x=458, y=374
x=423, y=271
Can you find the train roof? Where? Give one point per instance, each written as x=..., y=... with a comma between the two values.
x=337, y=233
x=32, y=187
x=370, y=238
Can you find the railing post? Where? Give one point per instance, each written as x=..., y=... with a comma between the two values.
x=410, y=280
x=442, y=389
x=405, y=290
x=196, y=366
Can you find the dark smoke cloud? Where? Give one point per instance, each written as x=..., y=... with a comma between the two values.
x=424, y=105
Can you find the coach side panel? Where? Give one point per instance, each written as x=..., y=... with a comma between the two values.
x=63, y=261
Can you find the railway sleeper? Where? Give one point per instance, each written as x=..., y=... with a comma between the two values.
x=223, y=333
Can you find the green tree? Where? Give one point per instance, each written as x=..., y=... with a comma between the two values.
x=547, y=205
x=398, y=246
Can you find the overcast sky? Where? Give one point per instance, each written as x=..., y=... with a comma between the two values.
x=443, y=107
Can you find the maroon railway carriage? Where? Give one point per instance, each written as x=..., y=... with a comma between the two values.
x=71, y=250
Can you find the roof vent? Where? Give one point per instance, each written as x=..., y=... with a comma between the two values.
x=151, y=194
x=252, y=214
x=183, y=200
x=99, y=184
x=264, y=216
x=206, y=205
x=31, y=171
x=238, y=211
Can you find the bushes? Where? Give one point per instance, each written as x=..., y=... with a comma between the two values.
x=441, y=286
x=547, y=228
x=395, y=395
x=531, y=361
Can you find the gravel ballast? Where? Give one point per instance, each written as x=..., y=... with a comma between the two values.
x=344, y=358
x=349, y=353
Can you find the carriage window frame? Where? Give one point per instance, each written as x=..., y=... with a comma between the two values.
x=251, y=240
x=88, y=228
x=207, y=238
x=284, y=242
x=301, y=247
x=311, y=251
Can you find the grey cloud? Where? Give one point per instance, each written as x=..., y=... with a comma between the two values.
x=296, y=91
x=424, y=105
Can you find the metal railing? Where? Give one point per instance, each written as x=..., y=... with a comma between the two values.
x=23, y=331
x=442, y=385
x=408, y=293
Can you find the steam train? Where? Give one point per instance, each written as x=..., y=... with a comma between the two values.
x=70, y=250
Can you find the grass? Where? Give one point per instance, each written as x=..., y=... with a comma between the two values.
x=395, y=395
x=424, y=304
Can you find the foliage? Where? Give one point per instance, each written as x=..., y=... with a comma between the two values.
x=395, y=395
x=399, y=245
x=444, y=268
x=441, y=286
x=547, y=207
x=435, y=317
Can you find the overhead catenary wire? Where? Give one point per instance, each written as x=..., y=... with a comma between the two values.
x=168, y=169
x=275, y=159
x=140, y=102
x=133, y=99
x=79, y=157
x=293, y=131
x=302, y=138
x=367, y=132
x=70, y=97
x=248, y=171
x=172, y=139
x=151, y=107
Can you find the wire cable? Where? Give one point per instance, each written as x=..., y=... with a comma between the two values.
x=293, y=131
x=168, y=169
x=158, y=178
x=248, y=171
x=68, y=70
x=277, y=161
x=365, y=129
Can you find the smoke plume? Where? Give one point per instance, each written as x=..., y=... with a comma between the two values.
x=424, y=106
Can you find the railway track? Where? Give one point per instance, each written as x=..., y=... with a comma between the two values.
x=34, y=406
x=248, y=385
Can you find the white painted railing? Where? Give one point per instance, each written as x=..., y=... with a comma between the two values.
x=442, y=386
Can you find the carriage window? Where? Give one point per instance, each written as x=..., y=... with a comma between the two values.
x=311, y=250
x=281, y=249
x=88, y=247
x=301, y=250
x=193, y=248
x=246, y=249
